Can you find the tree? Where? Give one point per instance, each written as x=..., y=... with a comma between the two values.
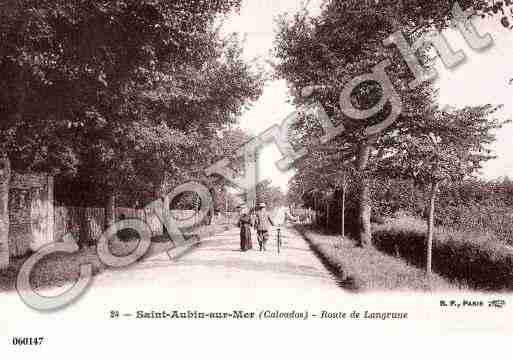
x=345, y=41
x=452, y=147
x=118, y=97
x=266, y=193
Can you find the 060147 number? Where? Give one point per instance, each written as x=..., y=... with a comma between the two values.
x=27, y=340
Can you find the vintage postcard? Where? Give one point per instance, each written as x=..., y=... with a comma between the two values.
x=280, y=174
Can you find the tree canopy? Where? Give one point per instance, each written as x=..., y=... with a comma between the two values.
x=345, y=41
x=118, y=95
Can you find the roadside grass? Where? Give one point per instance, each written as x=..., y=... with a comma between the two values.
x=58, y=269
x=475, y=258
x=368, y=269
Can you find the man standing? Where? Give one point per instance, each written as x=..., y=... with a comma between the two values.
x=262, y=222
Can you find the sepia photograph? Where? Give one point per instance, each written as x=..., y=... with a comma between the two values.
x=196, y=177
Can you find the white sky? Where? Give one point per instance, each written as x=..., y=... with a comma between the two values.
x=483, y=78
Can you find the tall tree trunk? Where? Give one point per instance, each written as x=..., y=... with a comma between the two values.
x=364, y=204
x=431, y=227
x=327, y=215
x=110, y=209
x=83, y=238
x=157, y=189
x=159, y=194
x=315, y=210
x=343, y=216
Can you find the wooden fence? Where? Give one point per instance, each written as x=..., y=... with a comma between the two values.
x=87, y=224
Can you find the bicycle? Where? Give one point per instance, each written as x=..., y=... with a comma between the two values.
x=278, y=240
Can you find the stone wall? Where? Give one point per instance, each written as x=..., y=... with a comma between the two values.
x=30, y=211
x=26, y=212
x=87, y=224
x=28, y=219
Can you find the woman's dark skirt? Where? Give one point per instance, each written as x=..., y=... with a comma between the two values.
x=245, y=239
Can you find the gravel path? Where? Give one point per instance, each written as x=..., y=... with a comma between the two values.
x=218, y=263
x=214, y=276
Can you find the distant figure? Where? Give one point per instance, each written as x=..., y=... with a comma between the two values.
x=262, y=221
x=282, y=216
x=245, y=230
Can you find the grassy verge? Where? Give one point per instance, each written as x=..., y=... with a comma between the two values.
x=367, y=269
x=57, y=269
x=471, y=257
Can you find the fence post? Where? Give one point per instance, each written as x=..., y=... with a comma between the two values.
x=314, y=211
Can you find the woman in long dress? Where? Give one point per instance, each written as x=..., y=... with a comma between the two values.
x=245, y=231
